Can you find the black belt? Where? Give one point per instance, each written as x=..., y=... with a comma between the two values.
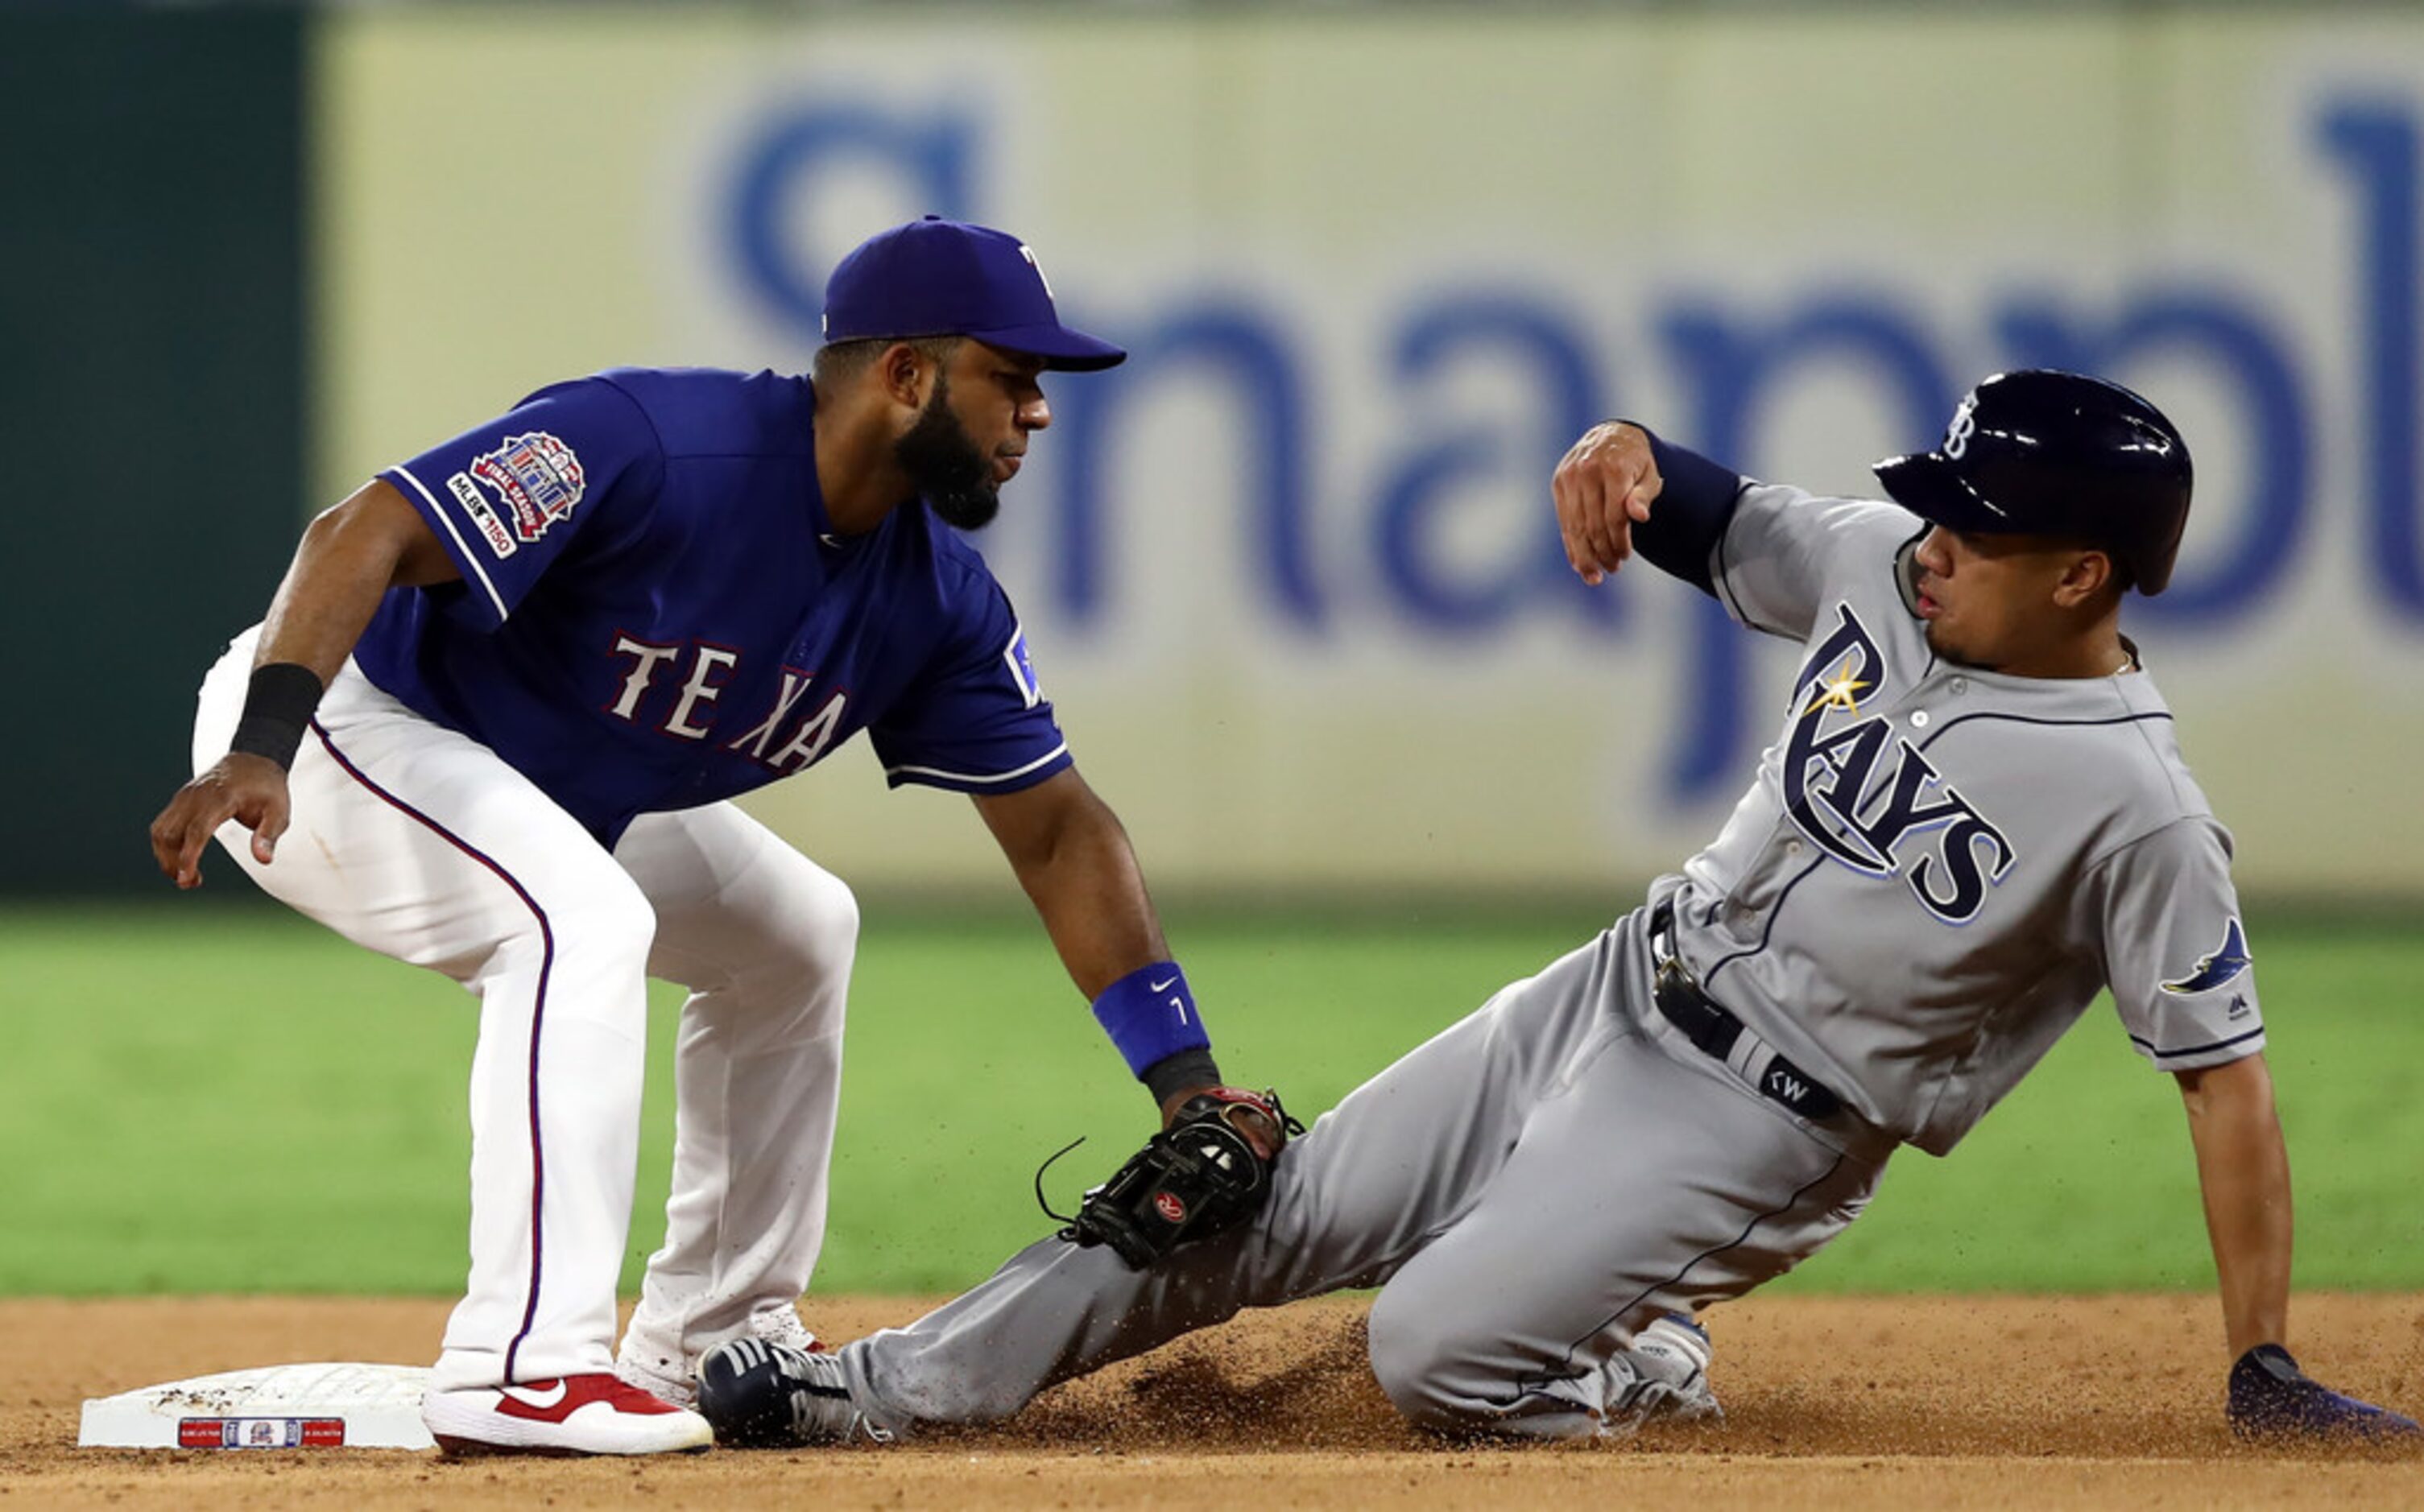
x=1715, y=1030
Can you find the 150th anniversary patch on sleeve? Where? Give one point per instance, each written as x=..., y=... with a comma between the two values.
x=538, y=479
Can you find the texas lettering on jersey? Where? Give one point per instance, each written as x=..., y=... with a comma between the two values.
x=701, y=680
x=1861, y=793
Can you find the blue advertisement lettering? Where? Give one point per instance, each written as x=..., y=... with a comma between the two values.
x=772, y=184
x=1246, y=351
x=2374, y=142
x=1449, y=456
x=1735, y=364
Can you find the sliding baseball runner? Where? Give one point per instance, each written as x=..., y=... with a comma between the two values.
x=1974, y=817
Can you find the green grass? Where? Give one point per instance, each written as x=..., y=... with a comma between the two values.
x=205, y=1099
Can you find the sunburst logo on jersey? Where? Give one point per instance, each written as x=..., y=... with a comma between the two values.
x=1843, y=690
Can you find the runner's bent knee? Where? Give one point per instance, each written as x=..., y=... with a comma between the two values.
x=1426, y=1363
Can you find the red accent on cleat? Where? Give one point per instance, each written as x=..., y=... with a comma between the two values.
x=552, y=1401
x=588, y=1414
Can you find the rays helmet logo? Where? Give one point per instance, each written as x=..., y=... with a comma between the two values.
x=1861, y=792
x=1965, y=425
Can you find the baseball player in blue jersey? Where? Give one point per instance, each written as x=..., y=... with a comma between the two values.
x=490, y=725
x=1974, y=817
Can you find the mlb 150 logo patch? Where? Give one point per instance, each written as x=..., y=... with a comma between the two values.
x=476, y=508
x=537, y=476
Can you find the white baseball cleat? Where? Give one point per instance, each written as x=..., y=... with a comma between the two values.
x=592, y=1414
x=649, y=1373
x=677, y=1380
x=782, y=1325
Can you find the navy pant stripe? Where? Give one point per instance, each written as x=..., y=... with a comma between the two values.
x=539, y=1017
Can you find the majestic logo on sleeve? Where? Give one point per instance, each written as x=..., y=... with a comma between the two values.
x=2228, y=959
x=537, y=476
x=1022, y=669
x=1861, y=793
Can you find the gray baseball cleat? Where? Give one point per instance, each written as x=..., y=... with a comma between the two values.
x=1664, y=1376
x=761, y=1395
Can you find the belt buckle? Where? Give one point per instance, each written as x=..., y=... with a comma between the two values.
x=1679, y=997
x=1671, y=975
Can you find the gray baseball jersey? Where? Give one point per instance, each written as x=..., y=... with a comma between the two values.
x=1934, y=872
x=1937, y=867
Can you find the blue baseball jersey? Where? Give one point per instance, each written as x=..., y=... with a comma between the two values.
x=655, y=612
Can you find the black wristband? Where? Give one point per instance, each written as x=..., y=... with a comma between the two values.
x=278, y=707
x=1174, y=1073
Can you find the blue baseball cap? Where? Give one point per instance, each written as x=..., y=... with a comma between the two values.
x=946, y=278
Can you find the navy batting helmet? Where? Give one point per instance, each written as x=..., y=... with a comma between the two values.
x=2044, y=452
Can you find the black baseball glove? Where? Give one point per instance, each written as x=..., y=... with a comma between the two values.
x=1209, y=1168
x=2271, y=1398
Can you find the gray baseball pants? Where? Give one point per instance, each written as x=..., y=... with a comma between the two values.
x=1527, y=1187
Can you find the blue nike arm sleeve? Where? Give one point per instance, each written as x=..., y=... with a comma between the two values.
x=1690, y=514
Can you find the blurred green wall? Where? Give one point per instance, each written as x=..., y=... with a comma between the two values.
x=152, y=399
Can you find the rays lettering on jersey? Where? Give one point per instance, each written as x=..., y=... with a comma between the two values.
x=1838, y=768
x=692, y=714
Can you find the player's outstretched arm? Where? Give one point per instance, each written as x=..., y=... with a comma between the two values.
x=1074, y=859
x=2243, y=1173
x=349, y=557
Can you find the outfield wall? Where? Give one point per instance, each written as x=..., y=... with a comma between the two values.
x=1289, y=575
x=152, y=401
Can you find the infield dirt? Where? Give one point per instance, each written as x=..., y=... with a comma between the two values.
x=1953, y=1402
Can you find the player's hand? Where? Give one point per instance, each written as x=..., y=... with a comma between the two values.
x=1602, y=488
x=1251, y=1114
x=2271, y=1398
x=242, y=786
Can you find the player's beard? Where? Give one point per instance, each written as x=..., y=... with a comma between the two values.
x=946, y=466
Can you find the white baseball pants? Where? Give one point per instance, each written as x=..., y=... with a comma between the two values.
x=422, y=844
